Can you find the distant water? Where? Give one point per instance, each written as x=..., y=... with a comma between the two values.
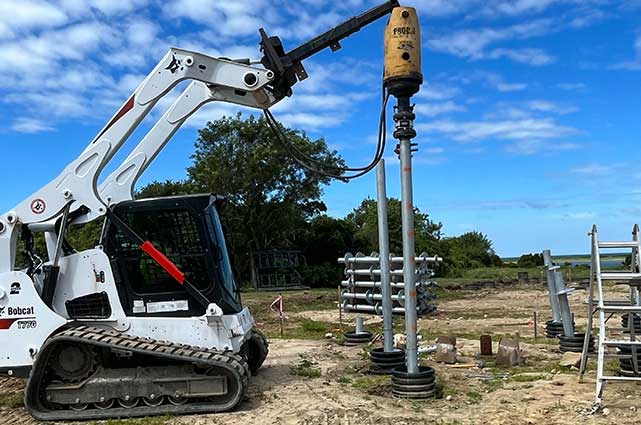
x=604, y=263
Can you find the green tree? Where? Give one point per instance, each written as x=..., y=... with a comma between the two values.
x=364, y=220
x=469, y=250
x=86, y=236
x=325, y=240
x=158, y=189
x=270, y=197
x=530, y=260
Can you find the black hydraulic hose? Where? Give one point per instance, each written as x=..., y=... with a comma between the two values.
x=306, y=161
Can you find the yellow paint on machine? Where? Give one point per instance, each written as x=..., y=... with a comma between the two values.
x=403, y=46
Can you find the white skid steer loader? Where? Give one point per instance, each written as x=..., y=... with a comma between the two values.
x=149, y=322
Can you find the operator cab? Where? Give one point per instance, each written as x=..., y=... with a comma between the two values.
x=187, y=229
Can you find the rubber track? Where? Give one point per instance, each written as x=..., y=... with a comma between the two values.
x=111, y=339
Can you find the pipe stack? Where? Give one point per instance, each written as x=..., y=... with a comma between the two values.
x=362, y=286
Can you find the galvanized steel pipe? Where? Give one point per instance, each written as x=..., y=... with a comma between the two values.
x=384, y=258
x=554, y=302
x=423, y=258
x=377, y=309
x=564, y=305
x=409, y=259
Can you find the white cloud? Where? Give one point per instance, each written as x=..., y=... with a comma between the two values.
x=17, y=16
x=518, y=7
x=42, y=53
x=229, y=19
x=528, y=109
x=492, y=9
x=433, y=150
x=434, y=109
x=489, y=79
x=435, y=91
x=473, y=44
x=31, y=126
x=332, y=76
x=312, y=121
x=534, y=146
x=320, y=102
x=60, y=105
x=498, y=82
x=510, y=87
x=139, y=43
x=593, y=169
x=584, y=12
x=571, y=86
x=76, y=70
x=587, y=17
x=440, y=8
x=534, y=57
x=551, y=107
x=106, y=7
x=581, y=215
x=518, y=129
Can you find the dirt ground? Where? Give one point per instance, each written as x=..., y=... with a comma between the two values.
x=321, y=382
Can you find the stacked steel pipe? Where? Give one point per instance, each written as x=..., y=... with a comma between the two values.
x=564, y=327
x=362, y=287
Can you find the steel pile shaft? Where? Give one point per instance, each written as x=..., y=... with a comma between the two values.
x=409, y=261
x=564, y=304
x=554, y=302
x=384, y=257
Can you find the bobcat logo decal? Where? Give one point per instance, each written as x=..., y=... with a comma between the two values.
x=174, y=65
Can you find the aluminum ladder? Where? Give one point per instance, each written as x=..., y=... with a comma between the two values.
x=606, y=309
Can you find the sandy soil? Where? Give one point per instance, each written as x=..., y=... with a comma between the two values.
x=345, y=394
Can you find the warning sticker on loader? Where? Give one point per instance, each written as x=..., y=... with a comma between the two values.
x=38, y=206
x=167, y=306
x=139, y=306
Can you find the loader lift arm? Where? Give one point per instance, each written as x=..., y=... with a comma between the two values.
x=287, y=69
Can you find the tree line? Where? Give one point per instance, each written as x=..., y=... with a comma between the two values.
x=272, y=202
x=275, y=203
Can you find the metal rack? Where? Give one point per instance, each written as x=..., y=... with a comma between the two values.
x=362, y=286
x=276, y=270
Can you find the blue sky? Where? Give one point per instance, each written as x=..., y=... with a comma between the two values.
x=528, y=122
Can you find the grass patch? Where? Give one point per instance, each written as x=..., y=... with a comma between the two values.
x=542, y=340
x=294, y=327
x=509, y=273
x=309, y=325
x=443, y=389
x=611, y=366
x=305, y=367
x=12, y=401
x=370, y=382
x=528, y=378
x=293, y=301
x=494, y=384
x=443, y=294
x=301, y=329
x=345, y=380
x=474, y=397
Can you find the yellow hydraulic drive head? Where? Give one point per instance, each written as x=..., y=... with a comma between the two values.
x=403, y=73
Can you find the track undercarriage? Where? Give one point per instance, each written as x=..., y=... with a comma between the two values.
x=91, y=373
